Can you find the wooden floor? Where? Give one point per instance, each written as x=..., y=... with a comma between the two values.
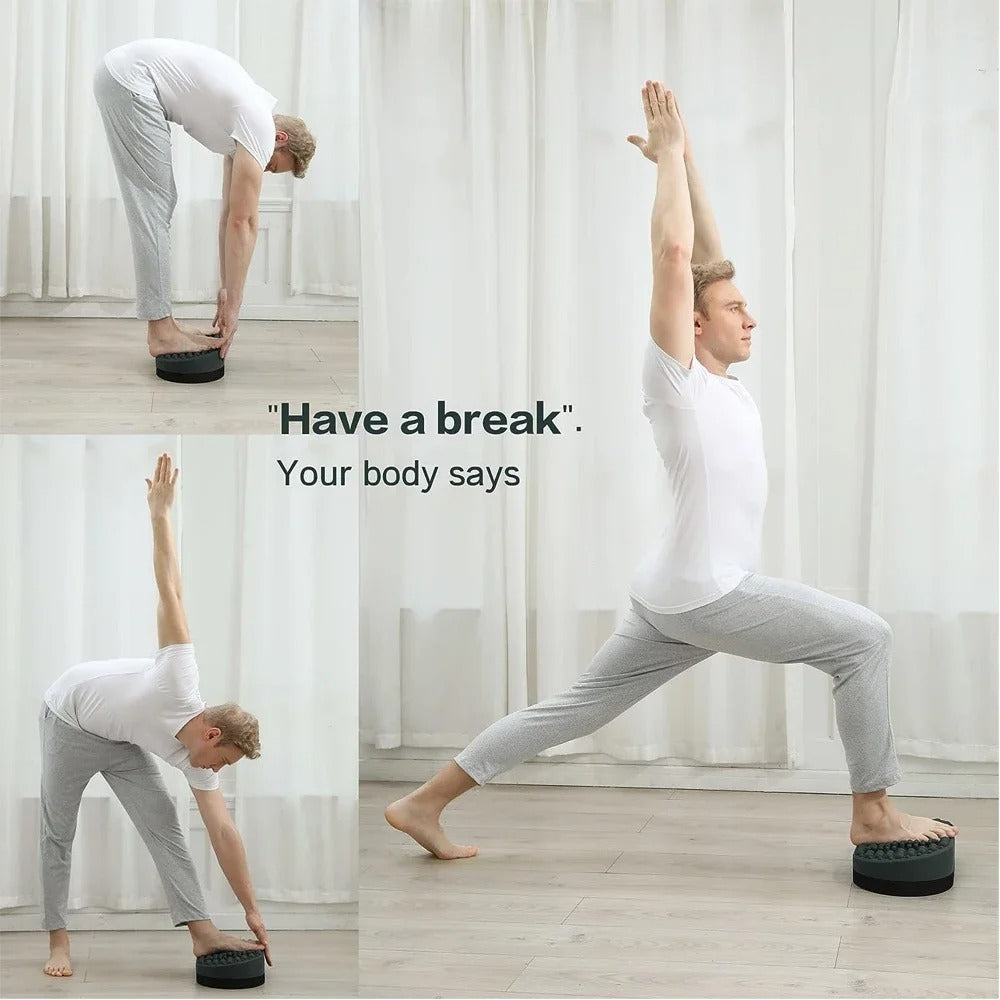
x=160, y=964
x=607, y=892
x=81, y=376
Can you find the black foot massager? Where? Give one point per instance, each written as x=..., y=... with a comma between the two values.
x=906, y=867
x=230, y=970
x=191, y=366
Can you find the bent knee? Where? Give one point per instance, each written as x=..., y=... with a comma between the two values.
x=870, y=631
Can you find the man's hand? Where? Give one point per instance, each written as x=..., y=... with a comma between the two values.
x=160, y=489
x=666, y=132
x=256, y=923
x=227, y=319
x=220, y=305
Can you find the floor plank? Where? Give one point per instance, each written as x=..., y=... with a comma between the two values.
x=160, y=964
x=707, y=894
x=95, y=376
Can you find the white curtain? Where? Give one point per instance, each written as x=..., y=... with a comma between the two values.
x=505, y=260
x=933, y=540
x=274, y=629
x=64, y=227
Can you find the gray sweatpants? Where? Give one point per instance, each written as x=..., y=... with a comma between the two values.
x=70, y=758
x=766, y=619
x=139, y=137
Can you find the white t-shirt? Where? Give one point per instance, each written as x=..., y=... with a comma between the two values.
x=708, y=432
x=139, y=701
x=207, y=92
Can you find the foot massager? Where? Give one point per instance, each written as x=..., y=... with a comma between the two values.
x=906, y=867
x=191, y=366
x=230, y=970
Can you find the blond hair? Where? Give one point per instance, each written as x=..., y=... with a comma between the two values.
x=301, y=143
x=239, y=728
x=708, y=274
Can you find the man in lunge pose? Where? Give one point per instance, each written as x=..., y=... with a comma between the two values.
x=140, y=88
x=116, y=717
x=698, y=591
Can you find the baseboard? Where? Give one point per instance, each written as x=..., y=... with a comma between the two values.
x=955, y=784
x=338, y=310
x=279, y=917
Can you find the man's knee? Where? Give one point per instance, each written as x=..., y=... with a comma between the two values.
x=880, y=630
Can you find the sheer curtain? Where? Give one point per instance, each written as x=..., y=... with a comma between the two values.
x=274, y=629
x=505, y=260
x=933, y=540
x=63, y=224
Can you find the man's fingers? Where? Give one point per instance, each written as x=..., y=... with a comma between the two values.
x=636, y=140
x=173, y=482
x=647, y=104
x=661, y=100
x=149, y=483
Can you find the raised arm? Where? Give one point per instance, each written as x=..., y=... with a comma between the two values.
x=707, y=242
x=171, y=623
x=671, y=313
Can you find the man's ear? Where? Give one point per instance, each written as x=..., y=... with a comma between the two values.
x=213, y=733
x=280, y=137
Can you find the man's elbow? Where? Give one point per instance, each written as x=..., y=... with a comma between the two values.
x=224, y=832
x=242, y=222
x=673, y=255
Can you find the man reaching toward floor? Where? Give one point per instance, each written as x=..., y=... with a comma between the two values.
x=140, y=88
x=115, y=717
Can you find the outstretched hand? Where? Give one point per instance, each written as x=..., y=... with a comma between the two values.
x=256, y=923
x=227, y=319
x=664, y=125
x=160, y=489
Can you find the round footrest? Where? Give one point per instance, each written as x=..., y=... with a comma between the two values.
x=230, y=970
x=906, y=867
x=191, y=366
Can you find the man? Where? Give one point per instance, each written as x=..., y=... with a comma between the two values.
x=698, y=591
x=142, y=86
x=115, y=717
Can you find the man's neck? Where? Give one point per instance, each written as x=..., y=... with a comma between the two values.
x=188, y=733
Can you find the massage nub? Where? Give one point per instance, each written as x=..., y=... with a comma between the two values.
x=191, y=366
x=906, y=867
x=230, y=970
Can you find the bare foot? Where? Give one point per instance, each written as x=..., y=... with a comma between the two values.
x=421, y=822
x=58, y=963
x=166, y=336
x=215, y=940
x=197, y=331
x=887, y=823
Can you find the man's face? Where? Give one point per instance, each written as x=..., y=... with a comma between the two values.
x=281, y=162
x=725, y=331
x=210, y=754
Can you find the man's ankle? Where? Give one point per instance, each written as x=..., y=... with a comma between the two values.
x=201, y=928
x=59, y=938
x=871, y=802
x=427, y=799
x=155, y=326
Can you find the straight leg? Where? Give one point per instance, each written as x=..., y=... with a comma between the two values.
x=70, y=758
x=135, y=779
x=633, y=662
x=139, y=140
